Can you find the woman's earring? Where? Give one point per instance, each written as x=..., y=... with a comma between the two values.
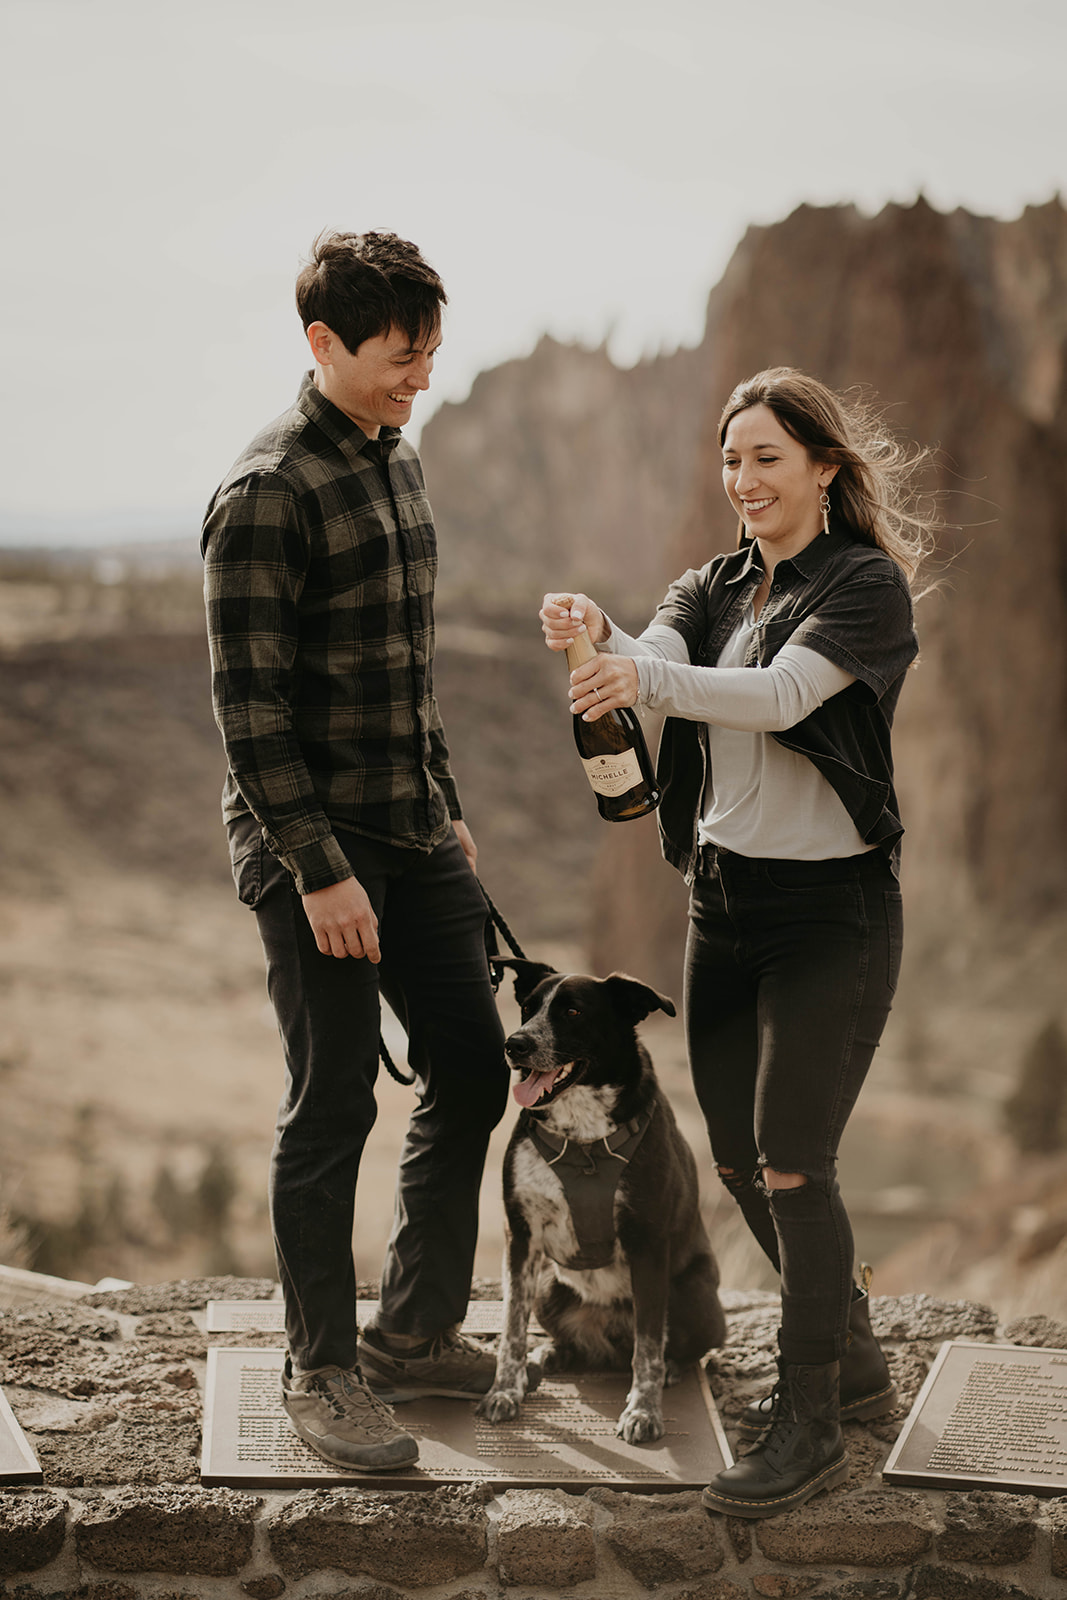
x=824, y=507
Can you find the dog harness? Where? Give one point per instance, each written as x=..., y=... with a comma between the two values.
x=590, y=1175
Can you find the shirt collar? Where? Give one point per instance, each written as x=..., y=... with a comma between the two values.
x=815, y=555
x=751, y=562
x=806, y=562
x=333, y=422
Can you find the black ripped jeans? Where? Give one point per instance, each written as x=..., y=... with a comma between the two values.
x=790, y=972
x=434, y=974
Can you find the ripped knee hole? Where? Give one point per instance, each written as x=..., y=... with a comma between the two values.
x=735, y=1181
x=773, y=1179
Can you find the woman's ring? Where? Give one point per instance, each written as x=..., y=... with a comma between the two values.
x=596, y=691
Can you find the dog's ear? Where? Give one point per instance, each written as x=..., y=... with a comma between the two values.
x=528, y=974
x=634, y=1000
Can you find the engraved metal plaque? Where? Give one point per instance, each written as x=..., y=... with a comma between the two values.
x=565, y=1435
x=245, y=1316
x=268, y=1316
x=993, y=1415
x=18, y=1464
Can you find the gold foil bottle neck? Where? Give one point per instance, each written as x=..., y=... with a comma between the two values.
x=582, y=648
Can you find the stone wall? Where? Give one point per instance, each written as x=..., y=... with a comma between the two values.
x=107, y=1390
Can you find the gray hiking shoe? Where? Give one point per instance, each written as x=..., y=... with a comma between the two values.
x=334, y=1411
x=454, y=1368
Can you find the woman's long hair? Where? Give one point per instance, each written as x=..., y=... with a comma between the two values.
x=874, y=490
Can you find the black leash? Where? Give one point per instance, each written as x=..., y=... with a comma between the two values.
x=496, y=973
x=390, y=1065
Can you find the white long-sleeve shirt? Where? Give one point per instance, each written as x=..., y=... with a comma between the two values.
x=760, y=798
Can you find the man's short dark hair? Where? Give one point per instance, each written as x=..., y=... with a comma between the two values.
x=362, y=284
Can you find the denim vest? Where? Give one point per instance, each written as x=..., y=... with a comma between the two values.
x=848, y=601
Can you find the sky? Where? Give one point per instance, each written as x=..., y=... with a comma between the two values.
x=583, y=168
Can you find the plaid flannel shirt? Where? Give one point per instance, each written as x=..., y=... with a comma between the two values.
x=320, y=558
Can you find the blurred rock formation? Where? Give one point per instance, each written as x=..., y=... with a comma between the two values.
x=130, y=974
x=562, y=469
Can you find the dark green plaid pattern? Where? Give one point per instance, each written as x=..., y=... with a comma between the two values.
x=320, y=558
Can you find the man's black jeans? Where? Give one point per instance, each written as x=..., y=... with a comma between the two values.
x=434, y=974
x=790, y=972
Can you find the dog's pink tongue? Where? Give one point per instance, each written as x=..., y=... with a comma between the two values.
x=529, y=1090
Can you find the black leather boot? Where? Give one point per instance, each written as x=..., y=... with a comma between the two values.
x=867, y=1390
x=801, y=1452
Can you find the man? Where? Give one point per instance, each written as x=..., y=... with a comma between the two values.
x=346, y=837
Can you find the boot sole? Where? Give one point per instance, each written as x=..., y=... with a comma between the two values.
x=871, y=1405
x=865, y=1409
x=733, y=1506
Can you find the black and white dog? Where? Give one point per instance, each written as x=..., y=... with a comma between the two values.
x=605, y=1238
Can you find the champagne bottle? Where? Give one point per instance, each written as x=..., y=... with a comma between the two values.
x=613, y=752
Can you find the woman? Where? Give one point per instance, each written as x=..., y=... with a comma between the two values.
x=779, y=668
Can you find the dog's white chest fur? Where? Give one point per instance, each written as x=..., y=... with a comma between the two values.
x=582, y=1113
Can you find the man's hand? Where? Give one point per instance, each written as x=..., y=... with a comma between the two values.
x=343, y=921
x=470, y=849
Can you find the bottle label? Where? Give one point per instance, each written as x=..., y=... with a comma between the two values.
x=613, y=775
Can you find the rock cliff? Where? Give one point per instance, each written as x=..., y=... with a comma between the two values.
x=562, y=468
x=126, y=963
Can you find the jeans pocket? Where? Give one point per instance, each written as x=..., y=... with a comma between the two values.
x=801, y=877
x=246, y=864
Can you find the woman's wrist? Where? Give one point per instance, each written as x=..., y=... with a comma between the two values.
x=605, y=629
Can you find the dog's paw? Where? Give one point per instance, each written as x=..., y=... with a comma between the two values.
x=640, y=1424
x=499, y=1405
x=551, y=1357
x=547, y=1356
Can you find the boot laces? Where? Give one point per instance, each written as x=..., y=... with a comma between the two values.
x=781, y=1429
x=352, y=1401
x=780, y=1420
x=454, y=1341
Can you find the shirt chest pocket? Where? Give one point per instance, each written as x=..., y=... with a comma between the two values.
x=355, y=573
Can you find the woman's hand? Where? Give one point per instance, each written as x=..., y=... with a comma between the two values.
x=602, y=685
x=563, y=615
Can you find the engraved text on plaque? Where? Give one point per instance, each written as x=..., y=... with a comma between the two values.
x=564, y=1435
x=989, y=1414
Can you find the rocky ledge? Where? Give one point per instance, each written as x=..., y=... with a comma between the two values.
x=107, y=1388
